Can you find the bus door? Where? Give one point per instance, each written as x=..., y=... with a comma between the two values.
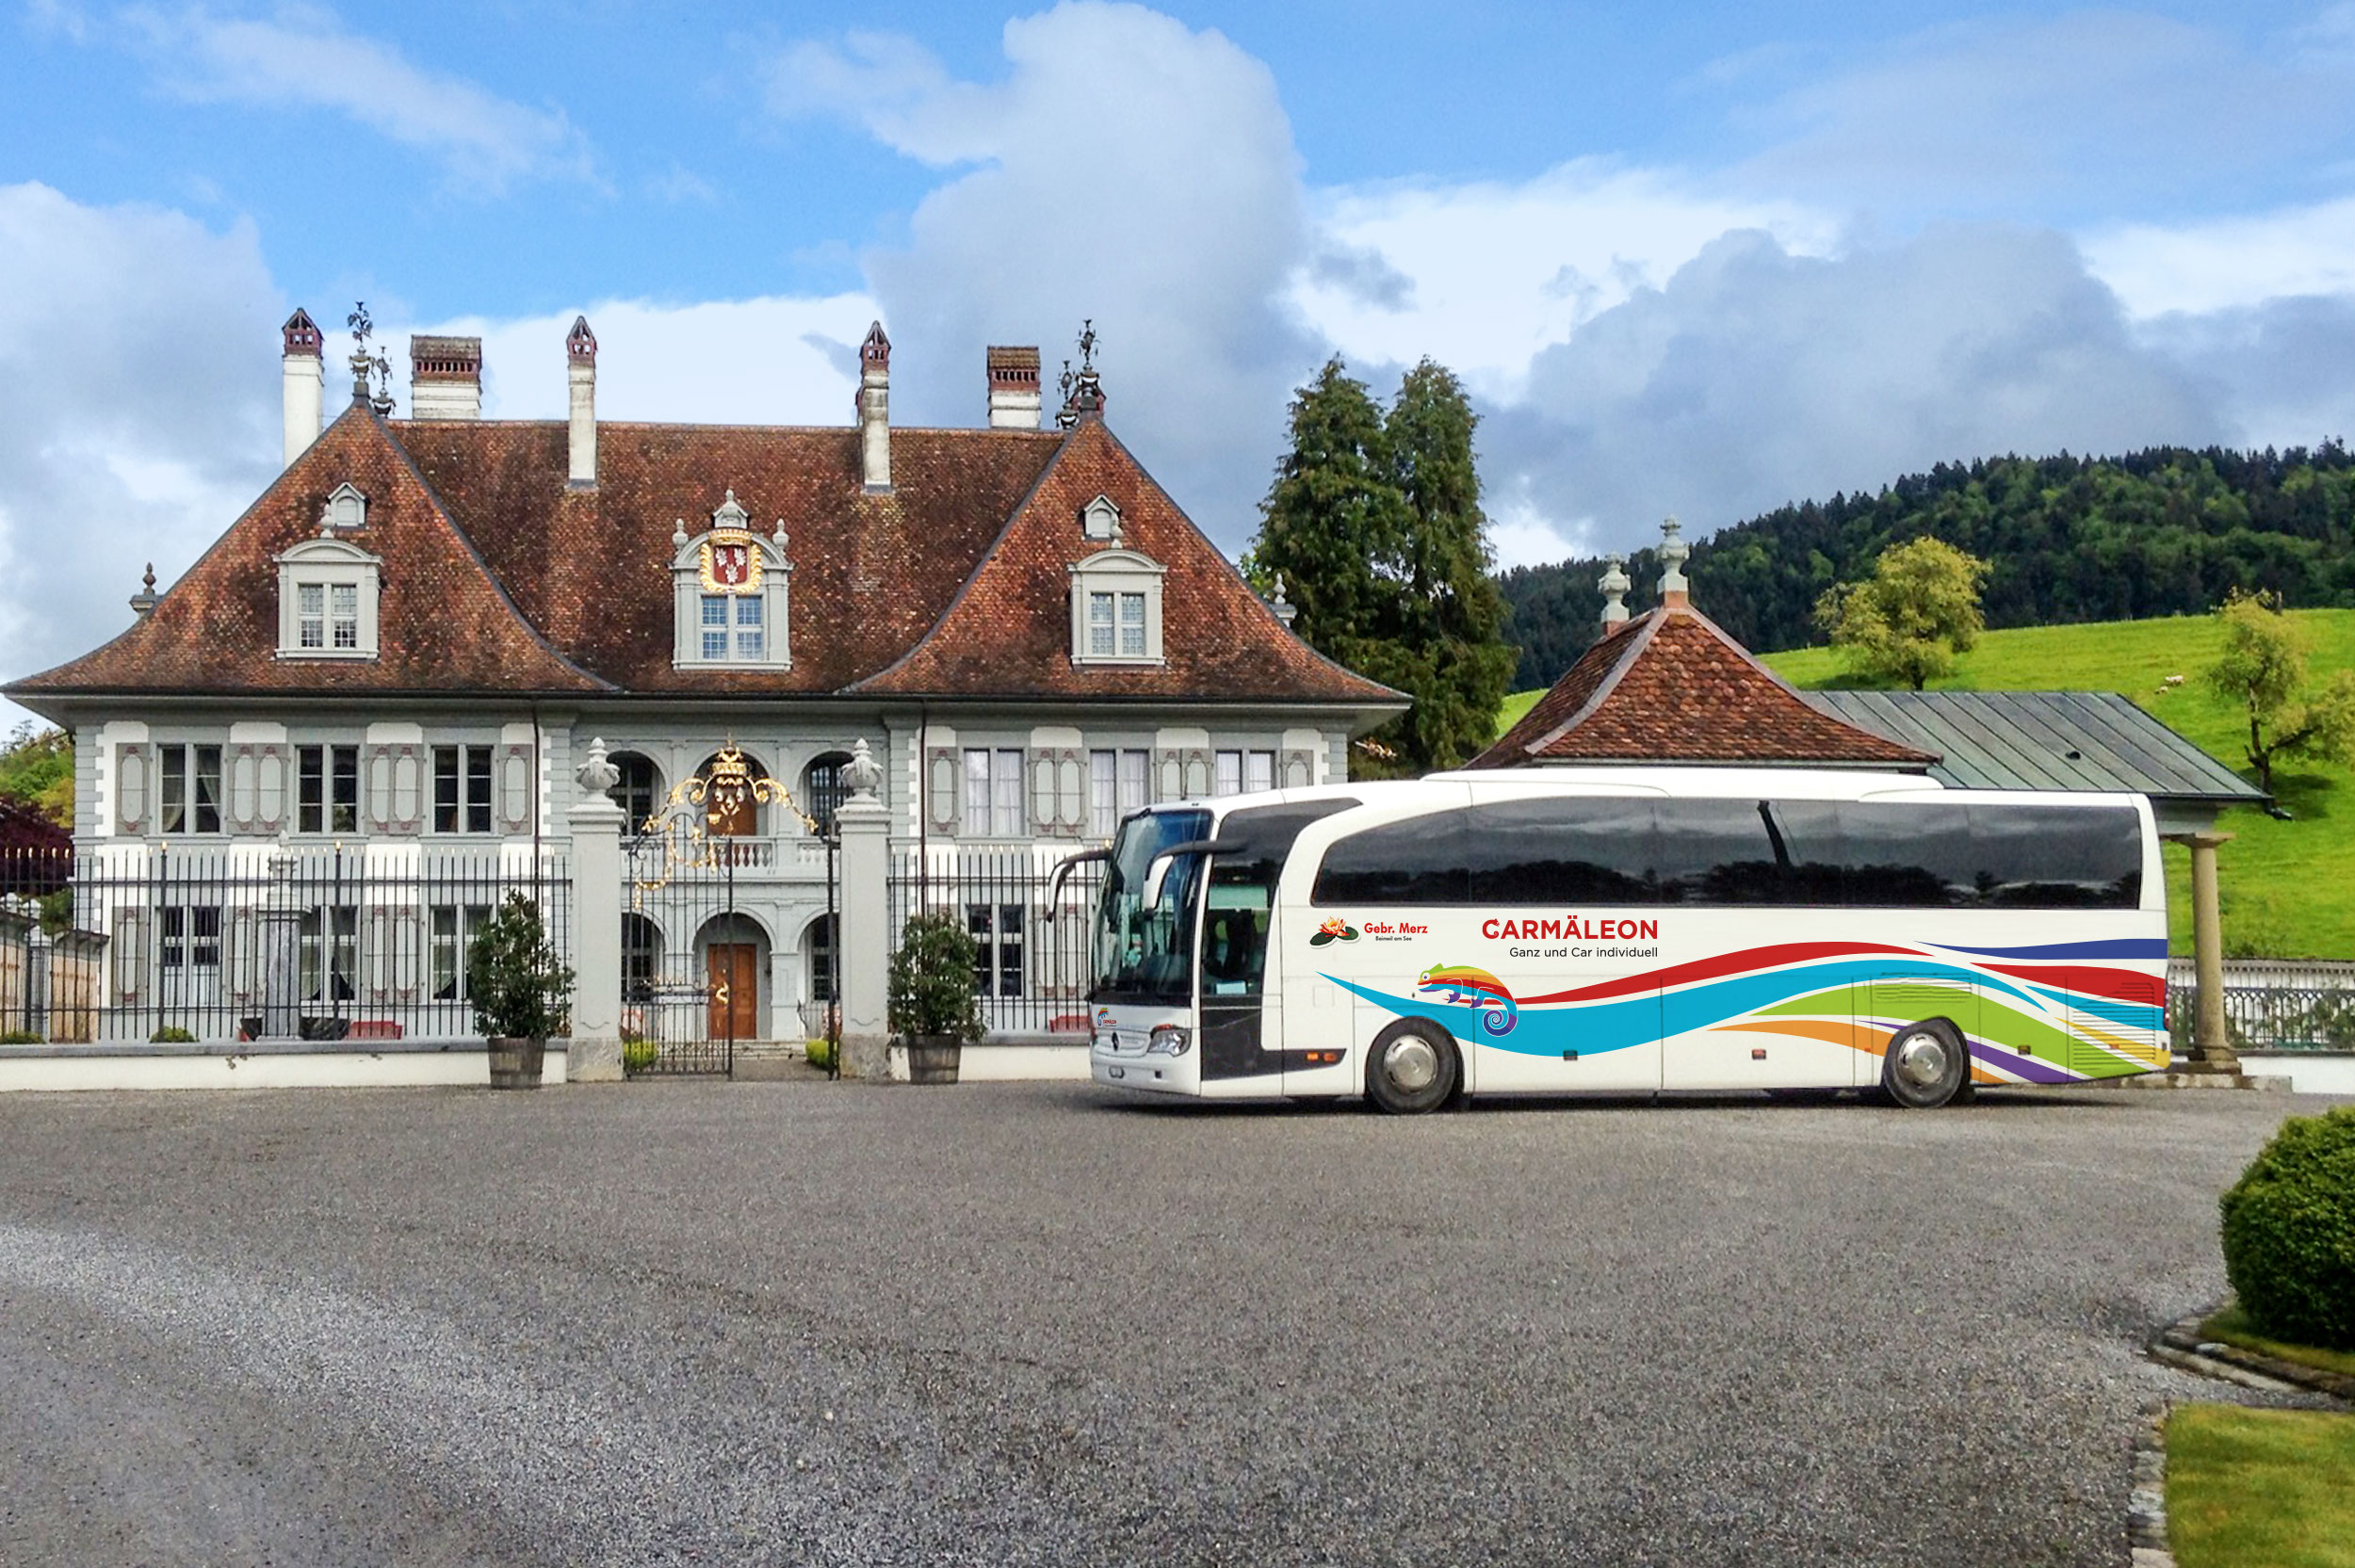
x=1243, y=1034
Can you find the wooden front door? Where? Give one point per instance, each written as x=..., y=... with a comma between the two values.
x=733, y=972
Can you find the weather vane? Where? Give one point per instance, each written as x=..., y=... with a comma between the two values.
x=1078, y=387
x=365, y=363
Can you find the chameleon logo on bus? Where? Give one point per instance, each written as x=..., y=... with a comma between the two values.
x=1460, y=985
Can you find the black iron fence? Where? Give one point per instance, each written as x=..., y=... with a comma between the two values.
x=1030, y=966
x=266, y=942
x=2272, y=1017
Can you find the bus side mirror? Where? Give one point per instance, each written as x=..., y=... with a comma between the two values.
x=1155, y=875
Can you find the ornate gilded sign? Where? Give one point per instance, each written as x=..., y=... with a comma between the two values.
x=731, y=562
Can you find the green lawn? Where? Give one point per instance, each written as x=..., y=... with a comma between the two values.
x=2231, y=1326
x=2260, y=1488
x=2288, y=887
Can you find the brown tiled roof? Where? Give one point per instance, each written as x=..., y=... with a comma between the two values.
x=500, y=577
x=592, y=568
x=444, y=624
x=1671, y=686
x=1010, y=628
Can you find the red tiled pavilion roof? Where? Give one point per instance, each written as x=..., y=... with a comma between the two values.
x=1671, y=686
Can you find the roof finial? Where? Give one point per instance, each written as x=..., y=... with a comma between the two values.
x=143, y=603
x=1083, y=389
x=367, y=363
x=1614, y=584
x=1285, y=609
x=1673, y=551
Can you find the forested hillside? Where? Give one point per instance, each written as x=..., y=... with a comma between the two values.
x=2161, y=532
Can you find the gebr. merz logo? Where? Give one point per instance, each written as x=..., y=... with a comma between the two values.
x=1334, y=929
x=1460, y=986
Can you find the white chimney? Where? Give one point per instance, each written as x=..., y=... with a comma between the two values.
x=1014, y=390
x=874, y=409
x=444, y=378
x=305, y=383
x=1614, y=584
x=1673, y=551
x=580, y=352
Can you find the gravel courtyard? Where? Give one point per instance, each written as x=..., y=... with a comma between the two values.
x=795, y=1323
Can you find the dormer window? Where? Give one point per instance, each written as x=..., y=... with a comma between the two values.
x=731, y=589
x=1100, y=520
x=346, y=511
x=327, y=598
x=1117, y=609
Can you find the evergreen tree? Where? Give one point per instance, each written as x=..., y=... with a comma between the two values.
x=1373, y=525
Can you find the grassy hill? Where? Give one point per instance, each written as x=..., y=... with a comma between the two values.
x=2288, y=887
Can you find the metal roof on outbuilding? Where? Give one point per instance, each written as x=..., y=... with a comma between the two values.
x=2091, y=740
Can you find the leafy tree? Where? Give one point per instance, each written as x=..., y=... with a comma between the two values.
x=1374, y=525
x=2263, y=669
x=1908, y=619
x=37, y=768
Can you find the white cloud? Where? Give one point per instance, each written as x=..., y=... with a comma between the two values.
x=304, y=58
x=138, y=408
x=1128, y=169
x=1756, y=376
x=778, y=361
x=1493, y=274
x=2229, y=263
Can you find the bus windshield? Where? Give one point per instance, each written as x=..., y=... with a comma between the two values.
x=1145, y=954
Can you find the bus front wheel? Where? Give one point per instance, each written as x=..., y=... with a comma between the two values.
x=1925, y=1067
x=1414, y=1067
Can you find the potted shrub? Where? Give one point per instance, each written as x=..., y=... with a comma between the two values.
x=932, y=1008
x=519, y=991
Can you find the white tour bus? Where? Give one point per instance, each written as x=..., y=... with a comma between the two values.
x=1628, y=930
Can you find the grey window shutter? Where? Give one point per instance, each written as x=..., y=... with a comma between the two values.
x=948, y=786
x=1300, y=770
x=1169, y=774
x=269, y=789
x=135, y=788
x=1071, y=791
x=513, y=787
x=244, y=788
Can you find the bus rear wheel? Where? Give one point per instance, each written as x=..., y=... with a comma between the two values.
x=1925, y=1067
x=1414, y=1067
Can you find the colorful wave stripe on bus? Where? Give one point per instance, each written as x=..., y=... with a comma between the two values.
x=2059, y=1013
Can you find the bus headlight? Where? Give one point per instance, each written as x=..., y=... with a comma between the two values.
x=1170, y=1040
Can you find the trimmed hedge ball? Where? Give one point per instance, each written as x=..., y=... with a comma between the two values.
x=2289, y=1233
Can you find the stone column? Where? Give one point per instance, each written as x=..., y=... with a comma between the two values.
x=865, y=932
x=2211, y=1047
x=594, y=1054
x=278, y=927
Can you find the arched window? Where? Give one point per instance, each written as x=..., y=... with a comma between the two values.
x=640, y=792
x=642, y=958
x=817, y=943
x=823, y=790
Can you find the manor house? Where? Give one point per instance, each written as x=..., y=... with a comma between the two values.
x=395, y=661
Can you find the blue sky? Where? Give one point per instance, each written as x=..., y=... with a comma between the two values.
x=1700, y=259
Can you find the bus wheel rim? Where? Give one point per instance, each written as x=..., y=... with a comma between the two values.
x=1922, y=1059
x=1410, y=1063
